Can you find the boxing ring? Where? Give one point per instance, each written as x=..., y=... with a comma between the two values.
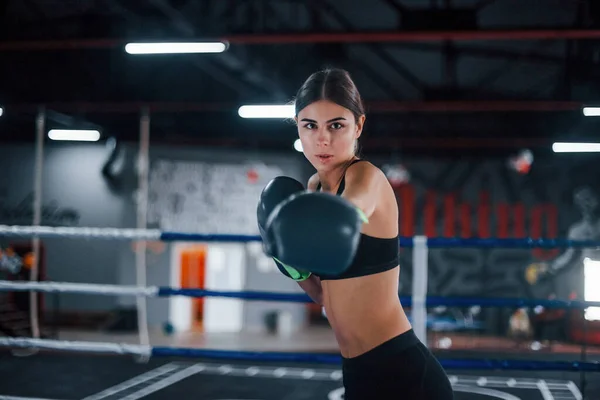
x=226, y=374
x=100, y=369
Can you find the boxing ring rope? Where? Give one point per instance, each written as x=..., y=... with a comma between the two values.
x=147, y=351
x=420, y=247
x=159, y=351
x=255, y=295
x=167, y=236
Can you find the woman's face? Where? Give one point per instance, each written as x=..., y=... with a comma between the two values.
x=328, y=133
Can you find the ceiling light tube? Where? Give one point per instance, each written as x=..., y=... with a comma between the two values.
x=267, y=111
x=591, y=111
x=298, y=146
x=175, y=48
x=74, y=135
x=576, y=147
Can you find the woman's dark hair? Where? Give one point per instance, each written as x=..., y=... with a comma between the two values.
x=330, y=84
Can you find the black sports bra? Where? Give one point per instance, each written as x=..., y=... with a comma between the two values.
x=374, y=255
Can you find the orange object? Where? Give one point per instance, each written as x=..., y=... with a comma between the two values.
x=28, y=260
x=192, y=268
x=252, y=176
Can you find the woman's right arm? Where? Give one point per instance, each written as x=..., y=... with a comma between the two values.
x=312, y=287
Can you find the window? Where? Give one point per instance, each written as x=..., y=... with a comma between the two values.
x=591, y=273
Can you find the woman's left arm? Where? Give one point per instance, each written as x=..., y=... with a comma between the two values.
x=363, y=181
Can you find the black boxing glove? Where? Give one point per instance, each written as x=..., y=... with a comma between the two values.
x=316, y=232
x=277, y=190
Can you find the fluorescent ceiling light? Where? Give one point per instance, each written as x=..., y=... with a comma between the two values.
x=591, y=111
x=74, y=135
x=298, y=146
x=576, y=147
x=1, y=111
x=267, y=111
x=175, y=48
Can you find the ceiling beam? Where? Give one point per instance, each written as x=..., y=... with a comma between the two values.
x=413, y=36
x=255, y=77
x=446, y=106
x=397, y=66
x=324, y=37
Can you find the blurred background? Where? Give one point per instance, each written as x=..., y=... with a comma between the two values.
x=480, y=112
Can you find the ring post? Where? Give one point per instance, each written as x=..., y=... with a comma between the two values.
x=142, y=215
x=40, y=126
x=419, y=287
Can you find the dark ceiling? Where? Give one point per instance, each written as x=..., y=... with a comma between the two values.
x=445, y=75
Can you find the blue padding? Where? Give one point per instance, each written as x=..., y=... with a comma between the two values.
x=524, y=243
x=406, y=300
x=434, y=242
x=247, y=295
x=502, y=302
x=317, y=358
x=247, y=355
x=199, y=237
x=520, y=365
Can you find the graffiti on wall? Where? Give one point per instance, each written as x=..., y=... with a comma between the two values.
x=466, y=200
x=203, y=197
x=20, y=212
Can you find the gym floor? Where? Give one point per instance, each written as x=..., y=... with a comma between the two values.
x=61, y=376
x=71, y=376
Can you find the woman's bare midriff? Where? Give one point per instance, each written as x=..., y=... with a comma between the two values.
x=365, y=311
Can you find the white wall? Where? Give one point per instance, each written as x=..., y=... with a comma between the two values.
x=74, y=186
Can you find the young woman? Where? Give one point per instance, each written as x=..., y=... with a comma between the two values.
x=382, y=357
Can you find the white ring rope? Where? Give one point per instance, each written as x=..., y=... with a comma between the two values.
x=83, y=232
x=81, y=288
x=95, y=347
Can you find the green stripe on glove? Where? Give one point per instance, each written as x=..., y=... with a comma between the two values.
x=362, y=215
x=293, y=273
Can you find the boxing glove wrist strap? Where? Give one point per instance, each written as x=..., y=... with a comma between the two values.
x=362, y=215
x=294, y=273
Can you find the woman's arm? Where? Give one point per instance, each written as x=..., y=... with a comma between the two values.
x=312, y=287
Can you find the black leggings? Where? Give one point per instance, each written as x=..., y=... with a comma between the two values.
x=401, y=368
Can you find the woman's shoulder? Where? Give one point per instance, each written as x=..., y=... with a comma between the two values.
x=366, y=177
x=364, y=170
